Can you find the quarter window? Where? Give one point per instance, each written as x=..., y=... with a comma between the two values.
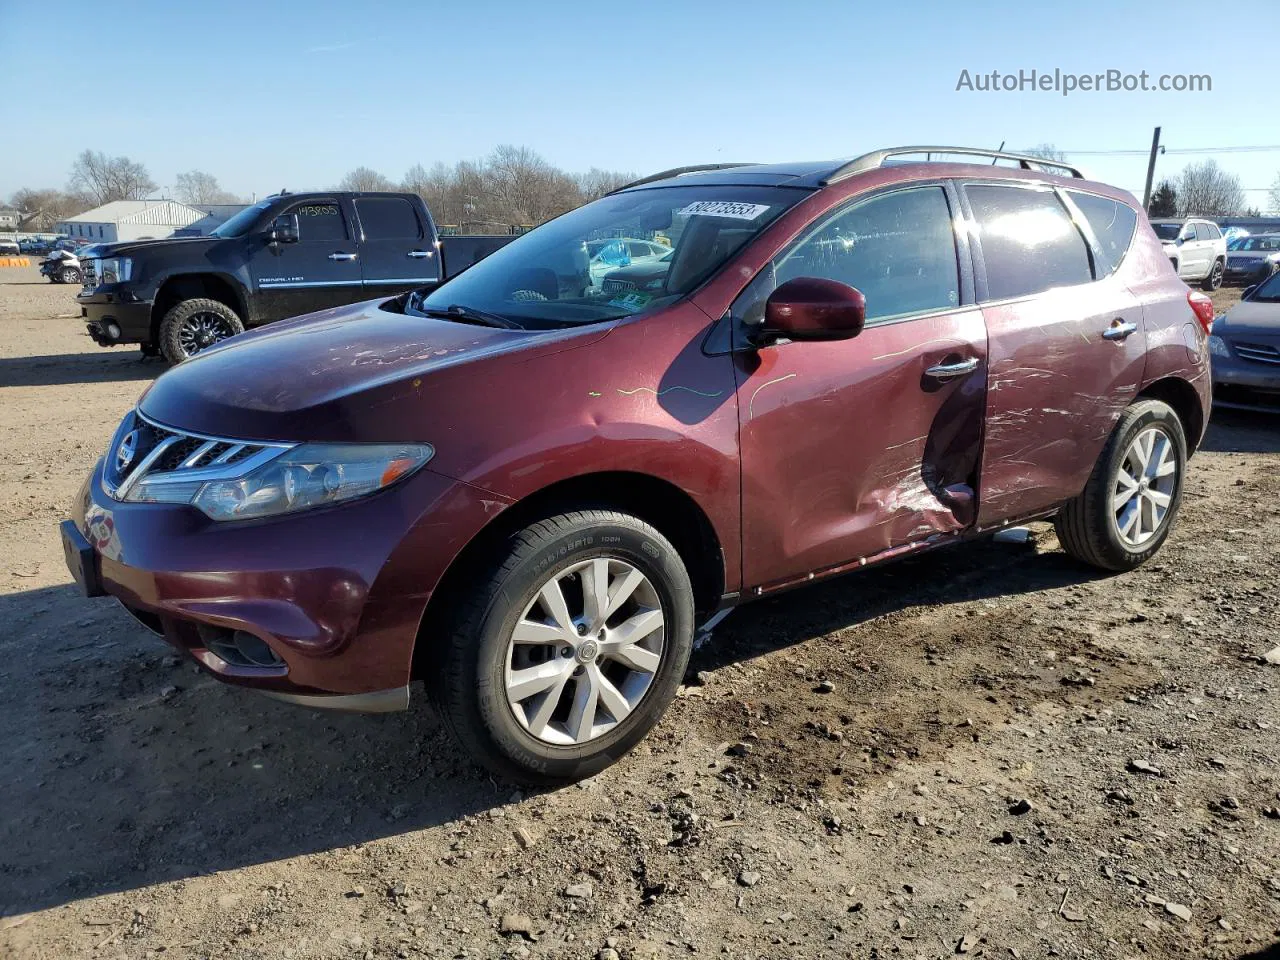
x=897, y=248
x=320, y=221
x=1029, y=243
x=1112, y=223
x=388, y=218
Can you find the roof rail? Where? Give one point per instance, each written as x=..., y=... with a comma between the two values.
x=877, y=158
x=679, y=171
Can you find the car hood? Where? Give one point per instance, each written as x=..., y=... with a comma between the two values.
x=354, y=373
x=1250, y=318
x=126, y=247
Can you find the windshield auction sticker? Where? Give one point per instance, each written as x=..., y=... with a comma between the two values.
x=724, y=208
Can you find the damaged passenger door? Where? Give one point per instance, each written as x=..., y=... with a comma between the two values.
x=857, y=449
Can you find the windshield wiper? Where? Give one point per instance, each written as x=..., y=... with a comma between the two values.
x=456, y=311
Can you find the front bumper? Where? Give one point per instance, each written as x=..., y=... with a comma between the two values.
x=336, y=594
x=113, y=316
x=1245, y=384
x=1251, y=273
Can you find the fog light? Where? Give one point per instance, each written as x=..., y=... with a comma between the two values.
x=113, y=331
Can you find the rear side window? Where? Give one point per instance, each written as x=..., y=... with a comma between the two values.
x=897, y=248
x=388, y=218
x=319, y=221
x=1112, y=223
x=1029, y=243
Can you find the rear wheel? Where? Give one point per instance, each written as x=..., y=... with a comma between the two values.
x=1131, y=500
x=568, y=649
x=195, y=325
x=1214, y=280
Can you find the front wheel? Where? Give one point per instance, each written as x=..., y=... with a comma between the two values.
x=1214, y=280
x=195, y=325
x=1129, y=504
x=69, y=275
x=568, y=649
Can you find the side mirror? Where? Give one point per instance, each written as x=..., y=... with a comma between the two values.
x=284, y=229
x=811, y=308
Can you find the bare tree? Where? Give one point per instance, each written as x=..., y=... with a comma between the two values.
x=1206, y=190
x=196, y=186
x=41, y=209
x=365, y=179
x=1046, y=151
x=1273, y=196
x=102, y=178
x=595, y=183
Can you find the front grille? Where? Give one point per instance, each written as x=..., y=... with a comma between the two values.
x=1257, y=352
x=617, y=286
x=142, y=448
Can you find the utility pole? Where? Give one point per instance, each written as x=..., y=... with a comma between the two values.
x=1151, y=169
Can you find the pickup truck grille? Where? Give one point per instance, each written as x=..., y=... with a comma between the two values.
x=143, y=448
x=1257, y=352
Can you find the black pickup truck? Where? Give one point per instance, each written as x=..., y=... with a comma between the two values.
x=290, y=254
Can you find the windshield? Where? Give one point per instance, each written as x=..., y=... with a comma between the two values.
x=239, y=225
x=615, y=257
x=1268, y=291
x=1261, y=244
x=1167, y=231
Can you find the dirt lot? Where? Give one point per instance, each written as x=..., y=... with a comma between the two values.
x=1018, y=758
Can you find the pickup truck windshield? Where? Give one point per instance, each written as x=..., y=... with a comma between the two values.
x=238, y=225
x=612, y=258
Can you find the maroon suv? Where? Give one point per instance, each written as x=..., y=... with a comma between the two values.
x=530, y=491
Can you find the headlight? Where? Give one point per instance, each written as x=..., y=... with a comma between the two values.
x=1218, y=347
x=113, y=270
x=310, y=475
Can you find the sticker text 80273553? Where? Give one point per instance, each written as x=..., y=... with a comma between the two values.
x=724, y=208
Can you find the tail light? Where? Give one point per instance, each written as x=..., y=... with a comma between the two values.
x=1202, y=306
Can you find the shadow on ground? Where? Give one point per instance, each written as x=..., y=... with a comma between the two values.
x=126, y=766
x=1241, y=431
x=68, y=368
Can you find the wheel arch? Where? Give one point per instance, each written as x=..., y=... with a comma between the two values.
x=664, y=505
x=186, y=286
x=1182, y=396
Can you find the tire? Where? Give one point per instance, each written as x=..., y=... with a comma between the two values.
x=68, y=275
x=1088, y=527
x=1214, y=280
x=468, y=683
x=194, y=325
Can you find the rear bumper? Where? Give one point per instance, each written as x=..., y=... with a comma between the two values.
x=333, y=597
x=110, y=319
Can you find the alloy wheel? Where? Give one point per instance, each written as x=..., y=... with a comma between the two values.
x=1144, y=486
x=202, y=330
x=585, y=651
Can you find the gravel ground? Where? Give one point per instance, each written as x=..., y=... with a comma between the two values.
x=987, y=751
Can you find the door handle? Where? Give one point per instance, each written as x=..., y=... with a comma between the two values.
x=342, y=256
x=1119, y=330
x=418, y=254
x=949, y=371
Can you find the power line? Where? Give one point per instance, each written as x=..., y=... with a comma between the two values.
x=1271, y=148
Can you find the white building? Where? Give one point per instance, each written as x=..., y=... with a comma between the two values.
x=131, y=220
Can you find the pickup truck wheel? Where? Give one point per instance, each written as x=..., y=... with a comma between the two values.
x=1214, y=280
x=195, y=325
x=1129, y=504
x=568, y=649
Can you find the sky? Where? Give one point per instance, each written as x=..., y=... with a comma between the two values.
x=292, y=95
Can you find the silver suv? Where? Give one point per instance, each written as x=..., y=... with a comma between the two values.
x=1196, y=248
